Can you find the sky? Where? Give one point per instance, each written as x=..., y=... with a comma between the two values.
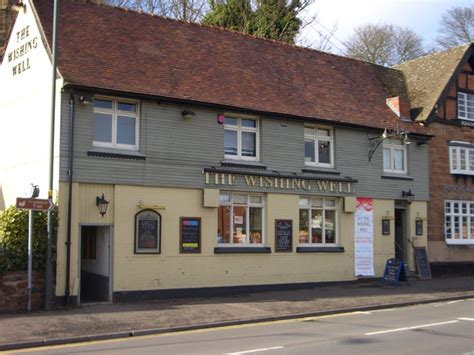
x=421, y=16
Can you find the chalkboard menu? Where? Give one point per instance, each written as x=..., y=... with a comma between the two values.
x=283, y=235
x=422, y=264
x=394, y=272
x=190, y=235
x=147, y=232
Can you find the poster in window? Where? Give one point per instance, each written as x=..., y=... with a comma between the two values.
x=147, y=232
x=190, y=235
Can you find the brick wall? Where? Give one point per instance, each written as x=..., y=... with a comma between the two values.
x=14, y=291
x=440, y=178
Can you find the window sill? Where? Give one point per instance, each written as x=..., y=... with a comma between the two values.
x=460, y=244
x=396, y=176
x=116, y=153
x=242, y=250
x=243, y=164
x=308, y=249
x=318, y=170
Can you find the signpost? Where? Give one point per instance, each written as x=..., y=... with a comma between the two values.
x=32, y=204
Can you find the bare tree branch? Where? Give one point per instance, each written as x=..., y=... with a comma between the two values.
x=456, y=27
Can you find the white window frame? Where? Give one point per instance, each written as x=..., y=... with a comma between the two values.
x=324, y=208
x=316, y=137
x=115, y=112
x=465, y=106
x=455, y=160
x=450, y=226
x=239, y=129
x=247, y=205
x=393, y=147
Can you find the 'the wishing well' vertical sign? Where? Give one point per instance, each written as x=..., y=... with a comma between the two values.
x=364, y=237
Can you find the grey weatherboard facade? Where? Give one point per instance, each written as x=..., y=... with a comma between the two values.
x=176, y=150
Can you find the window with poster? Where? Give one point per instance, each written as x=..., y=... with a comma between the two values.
x=147, y=232
x=318, y=221
x=240, y=219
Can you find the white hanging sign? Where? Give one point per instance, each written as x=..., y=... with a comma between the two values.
x=364, y=237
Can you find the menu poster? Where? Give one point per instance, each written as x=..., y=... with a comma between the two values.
x=190, y=235
x=364, y=237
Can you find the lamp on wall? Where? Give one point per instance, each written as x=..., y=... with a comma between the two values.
x=408, y=195
x=187, y=113
x=375, y=141
x=19, y=6
x=102, y=204
x=85, y=100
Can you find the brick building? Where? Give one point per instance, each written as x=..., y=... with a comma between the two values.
x=441, y=89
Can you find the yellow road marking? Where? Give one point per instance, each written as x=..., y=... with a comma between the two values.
x=151, y=336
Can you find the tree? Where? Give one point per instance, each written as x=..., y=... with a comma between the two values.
x=384, y=44
x=456, y=27
x=188, y=10
x=275, y=19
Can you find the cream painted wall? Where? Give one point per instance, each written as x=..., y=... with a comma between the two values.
x=384, y=245
x=416, y=210
x=172, y=270
x=25, y=114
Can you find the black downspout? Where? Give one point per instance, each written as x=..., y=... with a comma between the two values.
x=69, y=204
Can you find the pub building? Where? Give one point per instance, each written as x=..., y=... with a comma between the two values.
x=195, y=159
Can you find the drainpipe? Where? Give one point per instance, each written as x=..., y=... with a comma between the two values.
x=69, y=204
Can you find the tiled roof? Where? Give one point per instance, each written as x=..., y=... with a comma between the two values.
x=427, y=77
x=116, y=49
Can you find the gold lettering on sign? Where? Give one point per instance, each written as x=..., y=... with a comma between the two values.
x=26, y=46
x=266, y=182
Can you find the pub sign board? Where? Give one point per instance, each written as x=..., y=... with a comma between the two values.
x=147, y=232
x=283, y=235
x=394, y=272
x=190, y=235
x=422, y=264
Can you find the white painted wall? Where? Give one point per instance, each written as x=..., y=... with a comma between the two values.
x=25, y=114
x=99, y=265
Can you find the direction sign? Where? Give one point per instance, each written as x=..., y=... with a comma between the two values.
x=36, y=204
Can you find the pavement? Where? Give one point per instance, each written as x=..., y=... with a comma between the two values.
x=108, y=321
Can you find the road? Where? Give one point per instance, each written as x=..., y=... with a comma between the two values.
x=440, y=328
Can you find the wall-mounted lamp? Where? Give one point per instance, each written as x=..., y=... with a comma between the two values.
x=86, y=100
x=408, y=195
x=35, y=191
x=102, y=204
x=19, y=6
x=187, y=114
x=375, y=141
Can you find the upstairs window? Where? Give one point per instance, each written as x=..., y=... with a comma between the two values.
x=459, y=222
x=394, y=156
x=465, y=106
x=461, y=160
x=115, y=123
x=241, y=138
x=318, y=147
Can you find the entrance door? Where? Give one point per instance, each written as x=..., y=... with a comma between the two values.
x=400, y=234
x=95, y=264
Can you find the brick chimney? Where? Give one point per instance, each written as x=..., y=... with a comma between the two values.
x=6, y=19
x=400, y=106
